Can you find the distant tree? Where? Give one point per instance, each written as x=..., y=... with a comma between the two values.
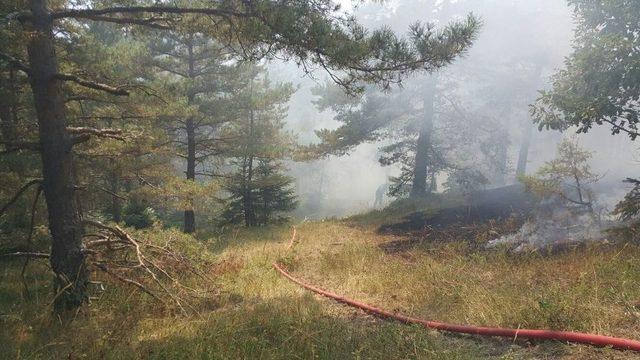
x=568, y=176
x=257, y=188
x=599, y=84
x=200, y=76
x=426, y=131
x=272, y=193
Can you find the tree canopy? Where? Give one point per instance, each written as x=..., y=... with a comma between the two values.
x=600, y=82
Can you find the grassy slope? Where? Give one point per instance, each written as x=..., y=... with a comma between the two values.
x=261, y=315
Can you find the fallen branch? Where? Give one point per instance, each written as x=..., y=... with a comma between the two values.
x=142, y=261
x=103, y=268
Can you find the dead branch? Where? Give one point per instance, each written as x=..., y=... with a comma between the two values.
x=142, y=261
x=103, y=268
x=24, y=254
x=85, y=133
x=15, y=197
x=92, y=84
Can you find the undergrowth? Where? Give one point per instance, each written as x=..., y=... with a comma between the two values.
x=256, y=314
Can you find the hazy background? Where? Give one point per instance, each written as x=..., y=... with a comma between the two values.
x=522, y=43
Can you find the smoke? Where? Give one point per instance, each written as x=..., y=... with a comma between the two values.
x=521, y=45
x=556, y=226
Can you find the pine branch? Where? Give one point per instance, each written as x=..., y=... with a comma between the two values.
x=15, y=146
x=15, y=197
x=93, y=85
x=85, y=133
x=80, y=13
x=15, y=63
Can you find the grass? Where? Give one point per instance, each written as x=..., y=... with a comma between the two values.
x=260, y=315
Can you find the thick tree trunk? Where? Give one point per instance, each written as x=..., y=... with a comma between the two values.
x=419, y=186
x=189, y=214
x=65, y=222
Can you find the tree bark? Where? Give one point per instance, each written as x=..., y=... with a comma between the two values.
x=419, y=186
x=249, y=206
x=65, y=220
x=189, y=214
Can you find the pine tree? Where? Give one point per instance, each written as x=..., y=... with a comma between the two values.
x=252, y=29
x=257, y=188
x=201, y=77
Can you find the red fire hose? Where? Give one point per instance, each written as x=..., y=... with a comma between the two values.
x=574, y=337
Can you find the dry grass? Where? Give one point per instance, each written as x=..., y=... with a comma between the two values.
x=258, y=314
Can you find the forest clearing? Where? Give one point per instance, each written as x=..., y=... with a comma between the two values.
x=319, y=179
x=255, y=313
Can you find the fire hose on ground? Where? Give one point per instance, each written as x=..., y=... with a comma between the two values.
x=533, y=334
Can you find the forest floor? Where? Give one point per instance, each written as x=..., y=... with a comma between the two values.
x=443, y=275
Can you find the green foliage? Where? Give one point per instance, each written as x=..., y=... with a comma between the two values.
x=568, y=176
x=257, y=189
x=138, y=215
x=466, y=181
x=629, y=207
x=599, y=84
x=271, y=194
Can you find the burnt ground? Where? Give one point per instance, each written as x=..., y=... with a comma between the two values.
x=488, y=215
x=495, y=204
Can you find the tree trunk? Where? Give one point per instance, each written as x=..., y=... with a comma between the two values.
x=523, y=155
x=419, y=186
x=189, y=214
x=499, y=178
x=249, y=206
x=65, y=221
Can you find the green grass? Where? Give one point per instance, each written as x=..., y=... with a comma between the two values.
x=260, y=315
